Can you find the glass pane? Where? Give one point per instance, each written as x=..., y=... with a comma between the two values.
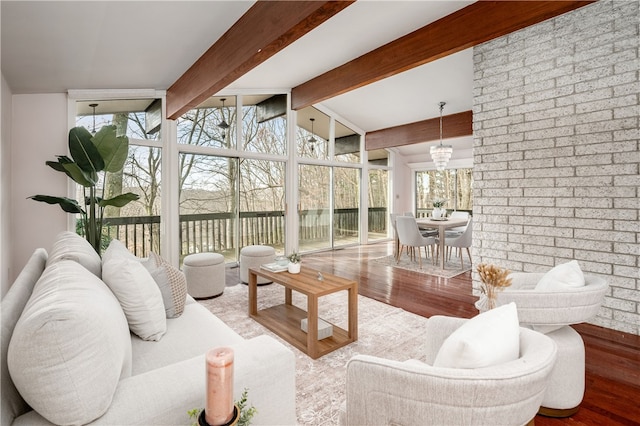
x=264, y=124
x=136, y=224
x=347, y=144
x=346, y=213
x=454, y=186
x=140, y=117
x=464, y=196
x=208, y=199
x=378, y=204
x=210, y=124
x=262, y=196
x=312, y=134
x=314, y=207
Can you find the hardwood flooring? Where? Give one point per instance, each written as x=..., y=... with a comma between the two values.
x=612, y=395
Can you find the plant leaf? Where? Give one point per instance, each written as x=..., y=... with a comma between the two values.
x=81, y=177
x=67, y=204
x=113, y=149
x=84, y=152
x=119, y=200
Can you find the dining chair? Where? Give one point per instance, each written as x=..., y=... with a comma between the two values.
x=462, y=241
x=458, y=230
x=409, y=235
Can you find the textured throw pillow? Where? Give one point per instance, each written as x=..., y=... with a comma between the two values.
x=139, y=296
x=172, y=284
x=71, y=246
x=564, y=276
x=70, y=347
x=490, y=338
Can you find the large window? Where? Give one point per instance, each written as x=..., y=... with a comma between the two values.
x=454, y=185
x=138, y=223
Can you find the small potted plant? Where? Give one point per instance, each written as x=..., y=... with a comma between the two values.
x=438, y=208
x=294, y=263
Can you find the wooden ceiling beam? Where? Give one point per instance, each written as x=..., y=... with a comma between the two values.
x=453, y=126
x=477, y=23
x=265, y=29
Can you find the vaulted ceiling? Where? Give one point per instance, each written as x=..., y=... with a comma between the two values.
x=382, y=66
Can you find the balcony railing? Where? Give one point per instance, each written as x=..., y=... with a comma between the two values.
x=214, y=232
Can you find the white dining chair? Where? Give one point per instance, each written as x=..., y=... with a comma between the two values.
x=409, y=236
x=462, y=241
x=458, y=230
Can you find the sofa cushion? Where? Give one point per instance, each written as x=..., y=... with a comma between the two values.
x=71, y=246
x=172, y=284
x=564, y=276
x=70, y=346
x=195, y=332
x=490, y=338
x=138, y=294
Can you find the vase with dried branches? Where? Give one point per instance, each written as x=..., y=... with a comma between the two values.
x=494, y=279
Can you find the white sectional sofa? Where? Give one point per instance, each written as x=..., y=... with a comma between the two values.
x=69, y=355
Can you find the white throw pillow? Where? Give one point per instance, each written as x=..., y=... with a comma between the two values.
x=71, y=246
x=116, y=249
x=139, y=296
x=70, y=347
x=564, y=276
x=490, y=338
x=172, y=284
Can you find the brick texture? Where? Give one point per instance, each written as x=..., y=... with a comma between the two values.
x=557, y=151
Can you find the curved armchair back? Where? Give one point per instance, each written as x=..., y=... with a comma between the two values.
x=553, y=308
x=381, y=391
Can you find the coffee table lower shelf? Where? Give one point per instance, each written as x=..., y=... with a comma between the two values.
x=284, y=320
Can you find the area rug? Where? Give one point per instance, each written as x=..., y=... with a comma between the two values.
x=383, y=331
x=452, y=268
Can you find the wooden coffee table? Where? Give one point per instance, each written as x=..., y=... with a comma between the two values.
x=284, y=319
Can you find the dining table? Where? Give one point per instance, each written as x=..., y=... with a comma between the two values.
x=441, y=224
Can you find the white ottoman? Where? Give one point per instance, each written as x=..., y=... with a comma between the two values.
x=205, y=274
x=252, y=257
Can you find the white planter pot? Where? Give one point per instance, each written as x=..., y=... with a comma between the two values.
x=436, y=213
x=294, y=268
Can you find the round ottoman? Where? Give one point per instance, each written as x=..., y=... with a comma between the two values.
x=205, y=274
x=253, y=257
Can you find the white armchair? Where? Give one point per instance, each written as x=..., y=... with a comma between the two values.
x=381, y=391
x=551, y=312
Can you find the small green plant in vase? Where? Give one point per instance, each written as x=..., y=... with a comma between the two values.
x=246, y=413
x=294, y=263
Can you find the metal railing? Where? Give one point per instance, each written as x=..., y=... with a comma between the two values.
x=215, y=232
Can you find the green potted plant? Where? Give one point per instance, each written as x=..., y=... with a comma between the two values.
x=92, y=156
x=438, y=208
x=294, y=263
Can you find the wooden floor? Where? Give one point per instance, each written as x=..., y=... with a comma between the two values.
x=612, y=395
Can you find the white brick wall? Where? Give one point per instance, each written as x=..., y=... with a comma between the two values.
x=557, y=151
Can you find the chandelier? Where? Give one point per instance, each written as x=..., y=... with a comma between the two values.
x=440, y=154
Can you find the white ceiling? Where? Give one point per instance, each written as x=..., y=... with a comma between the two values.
x=55, y=46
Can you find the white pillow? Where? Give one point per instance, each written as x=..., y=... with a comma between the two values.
x=70, y=347
x=139, y=296
x=116, y=249
x=564, y=276
x=490, y=338
x=71, y=246
x=172, y=284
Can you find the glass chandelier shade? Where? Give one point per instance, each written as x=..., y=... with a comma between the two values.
x=440, y=154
